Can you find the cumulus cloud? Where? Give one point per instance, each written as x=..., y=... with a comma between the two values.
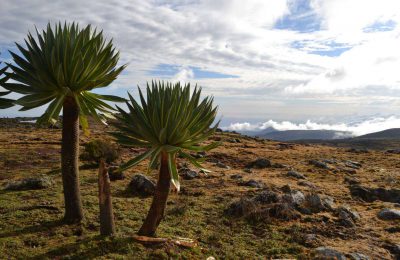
x=358, y=128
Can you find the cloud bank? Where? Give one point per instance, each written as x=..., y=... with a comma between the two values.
x=287, y=57
x=356, y=128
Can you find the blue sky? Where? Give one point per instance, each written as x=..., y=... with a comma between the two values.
x=294, y=60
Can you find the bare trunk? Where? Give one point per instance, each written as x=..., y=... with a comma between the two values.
x=69, y=161
x=156, y=212
x=107, y=226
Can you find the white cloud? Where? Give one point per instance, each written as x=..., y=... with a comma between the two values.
x=358, y=128
x=275, y=78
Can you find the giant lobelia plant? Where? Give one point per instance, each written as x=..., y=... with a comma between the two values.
x=4, y=102
x=61, y=66
x=171, y=121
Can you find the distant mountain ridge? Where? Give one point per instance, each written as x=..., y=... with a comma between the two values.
x=296, y=135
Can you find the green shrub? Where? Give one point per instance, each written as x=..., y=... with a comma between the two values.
x=100, y=149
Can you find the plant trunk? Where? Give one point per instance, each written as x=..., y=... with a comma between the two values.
x=156, y=212
x=69, y=161
x=107, y=225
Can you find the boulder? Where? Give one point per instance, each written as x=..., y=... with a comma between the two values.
x=347, y=216
x=141, y=185
x=42, y=182
x=222, y=165
x=252, y=183
x=307, y=184
x=188, y=174
x=371, y=194
x=358, y=256
x=319, y=164
x=352, y=164
x=328, y=253
x=236, y=176
x=295, y=174
x=389, y=214
x=260, y=163
x=315, y=203
x=267, y=197
x=114, y=174
x=294, y=197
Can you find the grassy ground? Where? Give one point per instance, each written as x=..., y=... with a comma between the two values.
x=30, y=226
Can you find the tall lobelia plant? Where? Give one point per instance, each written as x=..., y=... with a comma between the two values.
x=61, y=66
x=4, y=102
x=171, y=121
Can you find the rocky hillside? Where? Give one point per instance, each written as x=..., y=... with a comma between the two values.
x=263, y=199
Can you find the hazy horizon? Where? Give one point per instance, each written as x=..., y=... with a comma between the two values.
x=295, y=64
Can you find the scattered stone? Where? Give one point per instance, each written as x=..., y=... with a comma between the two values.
x=236, y=176
x=319, y=164
x=372, y=194
x=240, y=208
x=307, y=184
x=248, y=170
x=279, y=165
x=353, y=164
x=389, y=214
x=358, y=256
x=310, y=240
x=328, y=253
x=141, y=185
x=285, y=146
x=114, y=174
x=42, y=182
x=315, y=203
x=351, y=181
x=294, y=197
x=349, y=171
x=188, y=174
x=347, y=216
x=260, y=163
x=355, y=150
x=393, y=229
x=252, y=183
x=267, y=197
x=296, y=175
x=394, y=151
x=222, y=165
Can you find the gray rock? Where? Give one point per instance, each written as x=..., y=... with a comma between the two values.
x=236, y=176
x=315, y=203
x=307, y=184
x=188, y=174
x=347, y=216
x=247, y=170
x=42, y=182
x=328, y=253
x=260, y=163
x=372, y=194
x=222, y=165
x=141, y=185
x=319, y=164
x=114, y=174
x=252, y=183
x=294, y=197
x=358, y=256
x=310, y=240
x=240, y=208
x=352, y=164
x=351, y=181
x=267, y=197
x=296, y=175
x=389, y=214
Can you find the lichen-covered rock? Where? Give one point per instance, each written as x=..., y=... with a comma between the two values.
x=295, y=174
x=327, y=253
x=188, y=174
x=141, y=185
x=260, y=163
x=389, y=214
x=38, y=183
